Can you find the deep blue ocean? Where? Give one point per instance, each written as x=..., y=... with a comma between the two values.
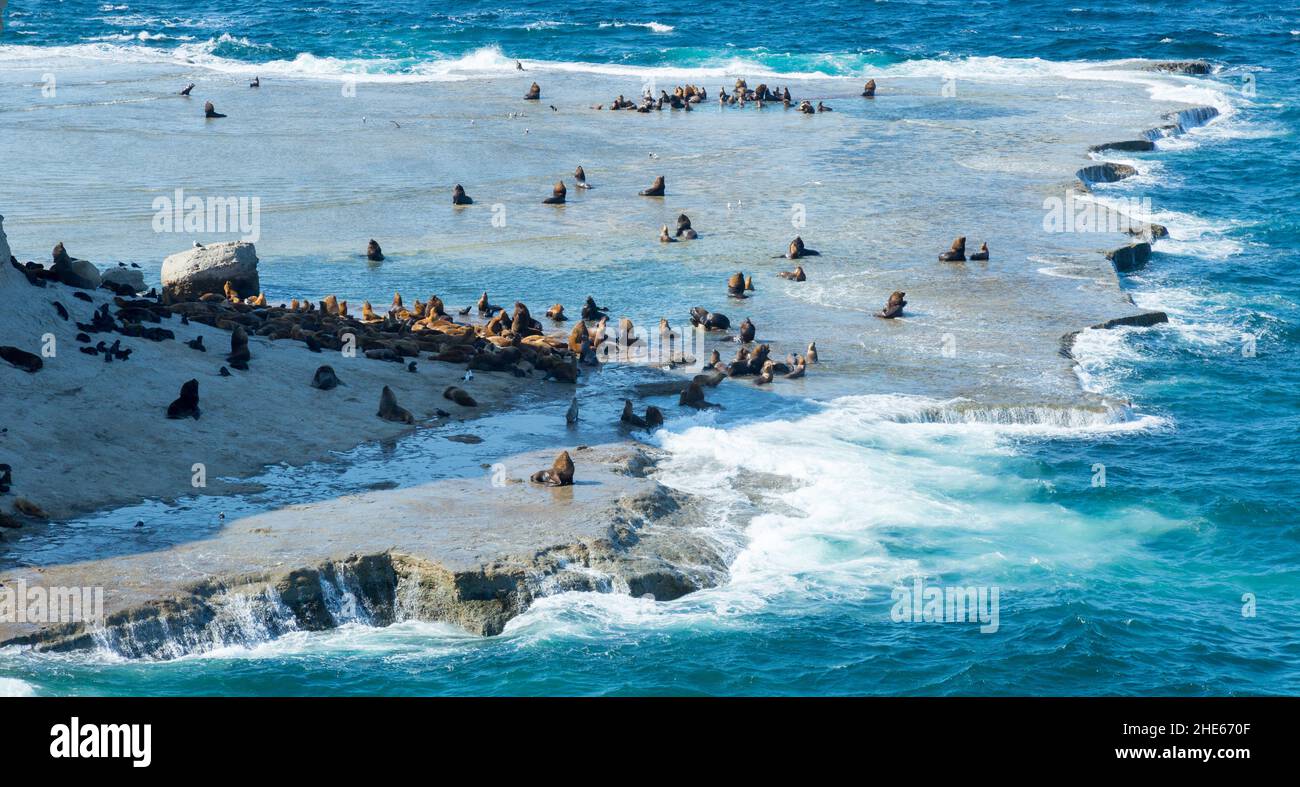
x=1144, y=586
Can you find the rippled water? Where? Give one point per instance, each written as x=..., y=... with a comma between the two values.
x=833, y=491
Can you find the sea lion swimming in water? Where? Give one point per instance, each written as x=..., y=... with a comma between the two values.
x=982, y=255
x=684, y=227
x=797, y=249
x=239, y=354
x=580, y=179
x=869, y=89
x=800, y=368
x=556, y=313
x=590, y=311
x=186, y=90
x=630, y=417
x=571, y=415
x=894, y=308
x=373, y=252
x=557, y=194
x=560, y=473
x=459, y=197
x=534, y=92
x=749, y=283
x=656, y=189
x=811, y=357
x=736, y=285
x=257, y=82
x=713, y=321
x=693, y=396
x=187, y=404
x=389, y=410
x=957, y=253
x=325, y=379
x=747, y=330
x=210, y=111
x=459, y=396
x=664, y=237
x=795, y=275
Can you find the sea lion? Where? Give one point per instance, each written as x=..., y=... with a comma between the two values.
x=389, y=410
x=571, y=415
x=957, y=253
x=811, y=356
x=557, y=194
x=560, y=473
x=626, y=332
x=693, y=396
x=797, y=249
x=806, y=107
x=800, y=368
x=795, y=275
x=330, y=305
x=580, y=179
x=982, y=255
x=664, y=237
x=210, y=111
x=186, y=90
x=63, y=310
x=29, y=509
x=869, y=89
x=187, y=404
x=197, y=344
x=459, y=396
x=823, y=108
x=590, y=311
x=556, y=313
x=736, y=285
x=28, y=362
x=6, y=478
x=894, y=308
x=239, y=354
x=684, y=228
x=224, y=372
x=749, y=283
x=368, y=313
x=459, y=197
x=747, y=330
x=656, y=189
x=257, y=82
x=325, y=379
x=630, y=417
x=713, y=321
x=373, y=252
x=534, y=92
x=765, y=374
x=578, y=336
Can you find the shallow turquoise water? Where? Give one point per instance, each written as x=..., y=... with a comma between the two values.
x=1132, y=588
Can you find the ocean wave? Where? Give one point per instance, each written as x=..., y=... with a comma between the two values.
x=652, y=26
x=14, y=687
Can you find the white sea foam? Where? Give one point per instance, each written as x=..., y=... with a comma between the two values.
x=14, y=687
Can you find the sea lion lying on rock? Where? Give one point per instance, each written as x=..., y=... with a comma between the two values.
x=459, y=197
x=373, y=252
x=24, y=360
x=557, y=194
x=187, y=404
x=982, y=255
x=389, y=410
x=712, y=321
x=656, y=189
x=325, y=379
x=957, y=253
x=795, y=275
x=459, y=396
x=560, y=473
x=894, y=308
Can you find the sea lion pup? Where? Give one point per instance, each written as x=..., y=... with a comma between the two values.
x=811, y=357
x=325, y=379
x=664, y=237
x=557, y=194
x=187, y=404
x=797, y=249
x=373, y=252
x=257, y=82
x=187, y=89
x=736, y=285
x=712, y=321
x=894, y=308
x=684, y=228
x=459, y=197
x=390, y=410
x=210, y=111
x=590, y=311
x=957, y=253
x=869, y=89
x=795, y=275
x=560, y=473
x=580, y=179
x=982, y=255
x=656, y=189
x=556, y=313
x=239, y=354
x=747, y=330
x=459, y=396
x=534, y=92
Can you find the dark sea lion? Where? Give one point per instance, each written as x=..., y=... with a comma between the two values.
x=373, y=252
x=197, y=344
x=224, y=372
x=656, y=189
x=22, y=359
x=210, y=111
x=711, y=379
x=389, y=410
x=823, y=108
x=557, y=194
x=560, y=473
x=534, y=92
x=693, y=396
x=747, y=330
x=459, y=197
x=81, y=296
x=894, y=308
x=459, y=396
x=571, y=415
x=957, y=253
x=653, y=416
x=6, y=478
x=684, y=228
x=806, y=107
x=325, y=379
x=982, y=255
x=187, y=404
x=590, y=311
x=795, y=275
x=580, y=179
x=797, y=249
x=61, y=309
x=257, y=82
x=713, y=321
x=630, y=417
x=239, y=353
x=186, y=90
x=556, y=313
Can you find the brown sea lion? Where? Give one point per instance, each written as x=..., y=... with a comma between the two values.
x=389, y=410
x=747, y=330
x=578, y=336
x=693, y=396
x=664, y=237
x=459, y=396
x=560, y=473
x=239, y=353
x=459, y=197
x=325, y=379
x=765, y=374
x=684, y=228
x=957, y=253
x=982, y=255
x=894, y=308
x=749, y=284
x=795, y=275
x=800, y=368
x=373, y=252
x=812, y=352
x=187, y=404
x=656, y=189
x=210, y=111
x=534, y=92
x=580, y=179
x=736, y=285
x=797, y=249
x=869, y=89
x=556, y=313
x=557, y=194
